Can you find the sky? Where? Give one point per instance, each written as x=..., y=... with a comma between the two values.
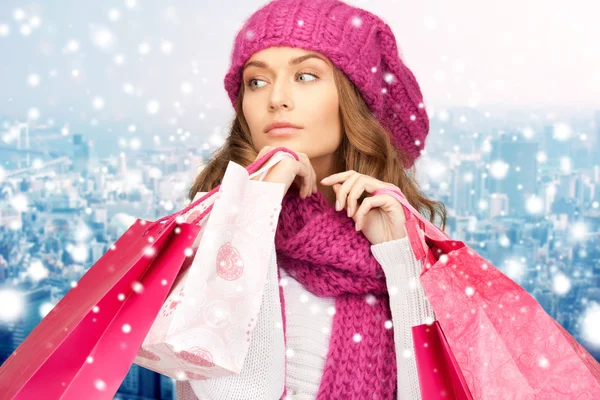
x=159, y=65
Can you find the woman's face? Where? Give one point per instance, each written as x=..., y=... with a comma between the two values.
x=278, y=87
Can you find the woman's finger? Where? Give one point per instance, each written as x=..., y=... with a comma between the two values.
x=342, y=194
x=305, y=175
x=367, y=205
x=311, y=187
x=263, y=151
x=355, y=192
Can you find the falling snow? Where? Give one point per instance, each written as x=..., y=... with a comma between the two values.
x=522, y=188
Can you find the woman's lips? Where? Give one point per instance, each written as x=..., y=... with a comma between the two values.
x=282, y=131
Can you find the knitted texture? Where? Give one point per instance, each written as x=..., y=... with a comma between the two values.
x=319, y=247
x=263, y=372
x=359, y=43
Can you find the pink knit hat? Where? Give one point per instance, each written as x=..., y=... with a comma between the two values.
x=358, y=43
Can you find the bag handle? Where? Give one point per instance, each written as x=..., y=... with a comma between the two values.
x=253, y=170
x=274, y=160
x=418, y=228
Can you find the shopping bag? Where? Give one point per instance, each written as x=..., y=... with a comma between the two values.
x=205, y=325
x=85, y=345
x=439, y=374
x=504, y=343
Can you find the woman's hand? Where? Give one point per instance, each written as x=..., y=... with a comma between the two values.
x=290, y=171
x=380, y=218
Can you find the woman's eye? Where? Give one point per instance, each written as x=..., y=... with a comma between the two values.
x=257, y=80
x=308, y=73
x=250, y=83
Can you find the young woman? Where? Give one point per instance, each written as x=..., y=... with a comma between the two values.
x=325, y=80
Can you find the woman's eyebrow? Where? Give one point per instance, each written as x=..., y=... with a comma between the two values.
x=293, y=61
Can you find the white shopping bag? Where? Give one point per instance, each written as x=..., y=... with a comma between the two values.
x=205, y=325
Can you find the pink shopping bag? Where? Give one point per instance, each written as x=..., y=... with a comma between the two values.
x=86, y=344
x=439, y=374
x=504, y=343
x=205, y=325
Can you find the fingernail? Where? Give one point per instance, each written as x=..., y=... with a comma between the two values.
x=337, y=205
x=349, y=210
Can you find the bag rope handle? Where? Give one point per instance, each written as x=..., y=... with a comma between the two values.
x=252, y=169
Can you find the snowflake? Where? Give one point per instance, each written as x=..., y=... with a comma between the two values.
x=562, y=132
x=13, y=305
x=152, y=107
x=33, y=80
x=561, y=284
x=102, y=37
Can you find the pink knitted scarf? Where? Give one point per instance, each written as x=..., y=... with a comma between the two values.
x=319, y=247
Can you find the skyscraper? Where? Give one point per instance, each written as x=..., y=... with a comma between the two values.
x=81, y=154
x=521, y=177
x=466, y=187
x=31, y=317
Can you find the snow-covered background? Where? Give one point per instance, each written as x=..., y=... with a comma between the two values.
x=108, y=109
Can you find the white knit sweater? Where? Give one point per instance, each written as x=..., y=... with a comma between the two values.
x=309, y=320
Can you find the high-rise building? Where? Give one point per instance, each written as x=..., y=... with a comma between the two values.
x=143, y=384
x=122, y=167
x=498, y=205
x=4, y=272
x=6, y=342
x=81, y=154
x=22, y=134
x=131, y=383
x=520, y=180
x=31, y=316
x=596, y=173
x=466, y=187
x=554, y=149
x=567, y=186
x=167, y=387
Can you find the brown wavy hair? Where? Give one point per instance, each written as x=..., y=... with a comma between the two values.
x=366, y=148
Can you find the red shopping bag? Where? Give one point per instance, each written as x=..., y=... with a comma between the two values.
x=86, y=344
x=504, y=343
x=439, y=374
